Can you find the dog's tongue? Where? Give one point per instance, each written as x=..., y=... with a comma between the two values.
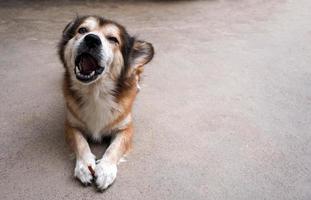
x=87, y=64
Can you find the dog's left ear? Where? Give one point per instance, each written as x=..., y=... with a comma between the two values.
x=142, y=53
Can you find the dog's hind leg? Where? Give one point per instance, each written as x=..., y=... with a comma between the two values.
x=106, y=169
x=85, y=160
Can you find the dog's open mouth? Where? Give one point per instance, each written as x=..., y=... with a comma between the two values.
x=87, y=68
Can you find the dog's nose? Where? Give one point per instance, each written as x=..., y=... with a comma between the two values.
x=92, y=40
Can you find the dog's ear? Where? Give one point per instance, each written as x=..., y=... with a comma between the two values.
x=69, y=30
x=68, y=33
x=142, y=53
x=68, y=27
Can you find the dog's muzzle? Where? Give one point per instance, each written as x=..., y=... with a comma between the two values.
x=87, y=62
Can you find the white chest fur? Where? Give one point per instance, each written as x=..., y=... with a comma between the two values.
x=98, y=110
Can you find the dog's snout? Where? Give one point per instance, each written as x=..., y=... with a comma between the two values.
x=92, y=40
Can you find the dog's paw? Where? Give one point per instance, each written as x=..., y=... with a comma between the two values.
x=105, y=173
x=84, y=169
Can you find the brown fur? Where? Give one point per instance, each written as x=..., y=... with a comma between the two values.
x=130, y=56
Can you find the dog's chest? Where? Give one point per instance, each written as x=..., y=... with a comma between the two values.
x=97, y=113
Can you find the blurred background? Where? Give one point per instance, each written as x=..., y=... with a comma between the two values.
x=224, y=111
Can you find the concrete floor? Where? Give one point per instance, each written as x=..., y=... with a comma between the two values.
x=224, y=111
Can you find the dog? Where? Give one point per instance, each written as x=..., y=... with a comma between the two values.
x=103, y=66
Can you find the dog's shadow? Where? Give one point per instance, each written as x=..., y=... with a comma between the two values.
x=99, y=148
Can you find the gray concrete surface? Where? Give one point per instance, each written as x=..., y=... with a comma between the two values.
x=224, y=112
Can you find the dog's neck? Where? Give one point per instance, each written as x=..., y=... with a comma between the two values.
x=102, y=103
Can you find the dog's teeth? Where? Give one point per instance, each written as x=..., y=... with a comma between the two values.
x=77, y=68
x=84, y=76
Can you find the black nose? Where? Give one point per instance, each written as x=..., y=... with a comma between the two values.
x=92, y=40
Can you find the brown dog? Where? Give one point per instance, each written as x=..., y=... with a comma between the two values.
x=102, y=64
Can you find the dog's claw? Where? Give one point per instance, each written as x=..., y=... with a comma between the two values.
x=86, y=184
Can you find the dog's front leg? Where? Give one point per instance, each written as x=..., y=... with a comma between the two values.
x=85, y=160
x=106, y=169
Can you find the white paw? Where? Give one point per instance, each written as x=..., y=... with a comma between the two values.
x=105, y=174
x=82, y=169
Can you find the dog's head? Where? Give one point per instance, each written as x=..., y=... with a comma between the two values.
x=93, y=47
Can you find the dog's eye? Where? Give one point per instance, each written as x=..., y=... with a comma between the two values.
x=113, y=39
x=82, y=30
